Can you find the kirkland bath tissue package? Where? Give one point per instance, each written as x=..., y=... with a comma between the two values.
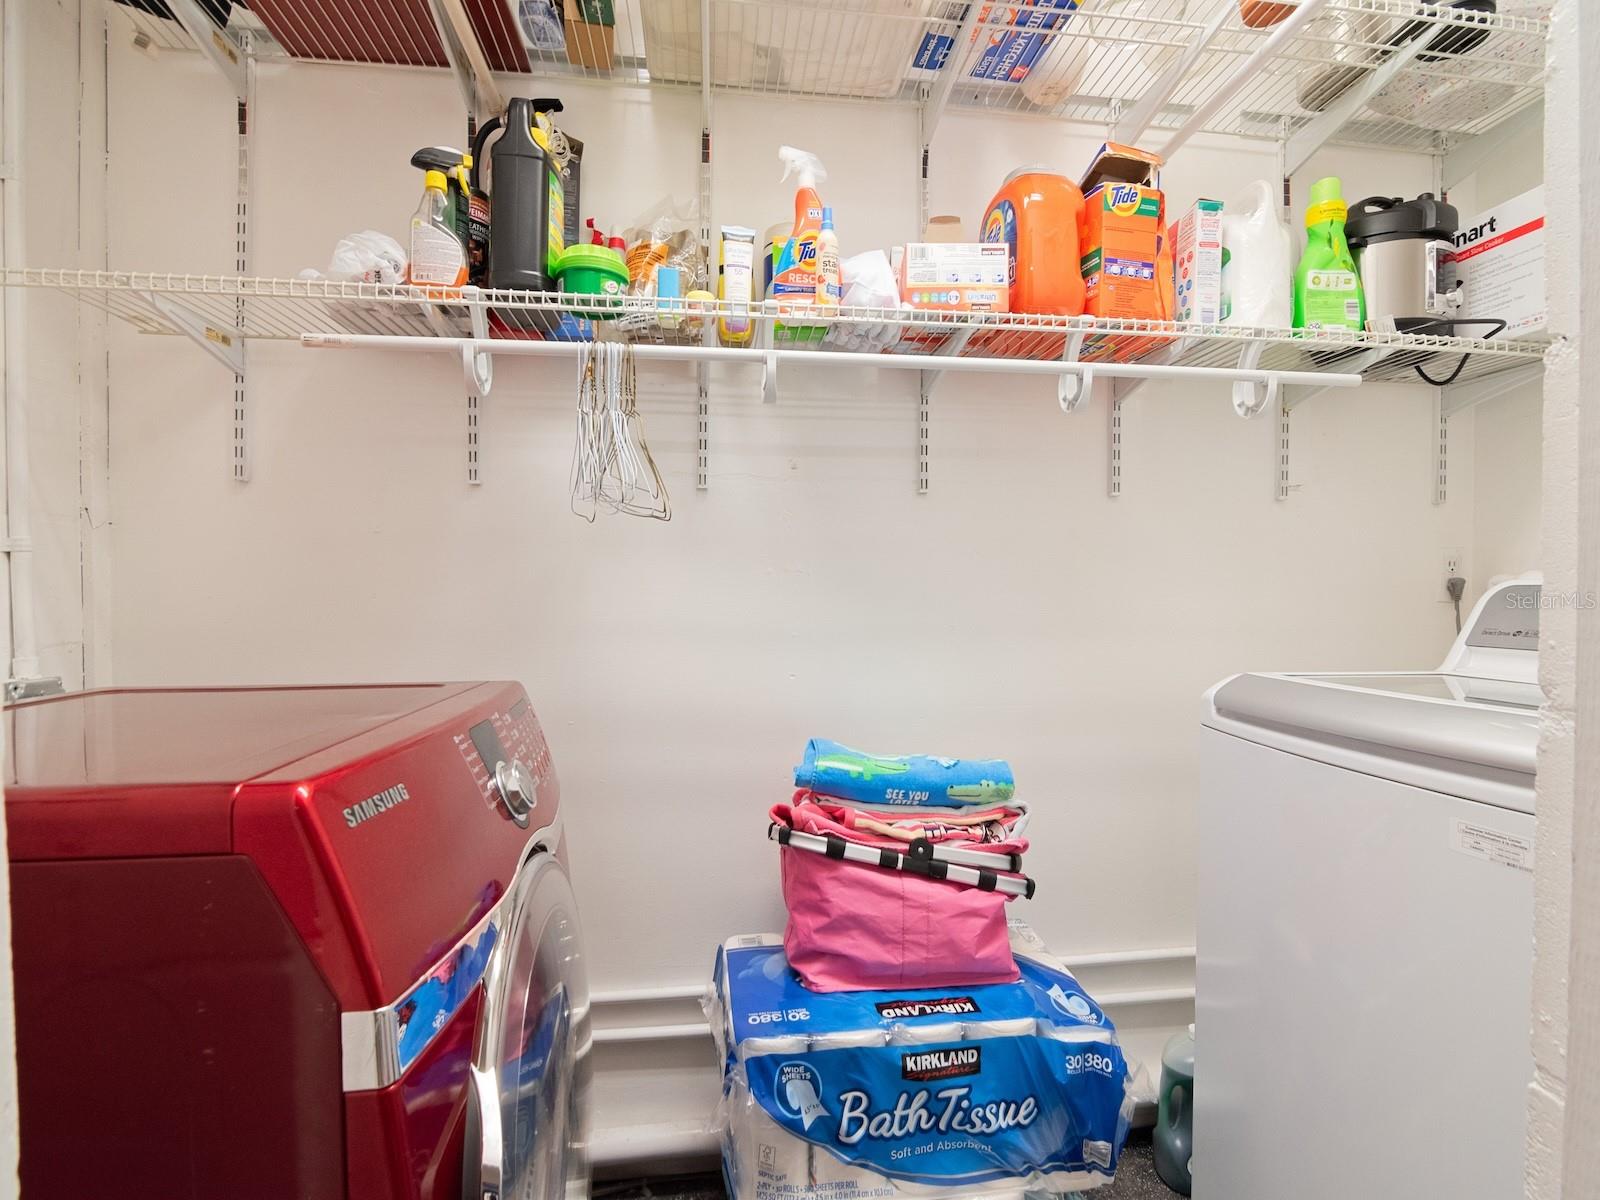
x=987, y=1091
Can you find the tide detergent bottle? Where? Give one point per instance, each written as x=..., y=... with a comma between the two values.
x=794, y=274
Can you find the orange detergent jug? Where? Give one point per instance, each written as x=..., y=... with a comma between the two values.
x=1037, y=213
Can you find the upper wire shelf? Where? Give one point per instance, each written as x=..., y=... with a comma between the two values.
x=1445, y=72
x=209, y=306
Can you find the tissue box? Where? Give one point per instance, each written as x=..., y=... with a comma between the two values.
x=956, y=276
x=849, y=1095
x=1196, y=238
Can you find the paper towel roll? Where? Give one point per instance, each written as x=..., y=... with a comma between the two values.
x=752, y=1047
x=921, y=1035
x=768, y=1160
x=1003, y=1027
x=848, y=1039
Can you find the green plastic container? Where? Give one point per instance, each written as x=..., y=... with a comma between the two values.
x=1327, y=290
x=1174, y=1132
x=596, y=273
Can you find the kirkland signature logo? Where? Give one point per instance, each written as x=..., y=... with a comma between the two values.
x=924, y=1065
x=950, y=1006
x=372, y=806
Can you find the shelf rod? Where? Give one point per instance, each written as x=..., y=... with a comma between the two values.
x=833, y=358
x=1248, y=74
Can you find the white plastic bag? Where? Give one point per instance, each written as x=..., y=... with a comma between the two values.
x=368, y=257
x=1257, y=260
x=868, y=282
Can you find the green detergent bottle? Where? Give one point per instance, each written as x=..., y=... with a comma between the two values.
x=1174, y=1132
x=1327, y=290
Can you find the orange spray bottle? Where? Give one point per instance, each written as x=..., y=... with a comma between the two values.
x=794, y=276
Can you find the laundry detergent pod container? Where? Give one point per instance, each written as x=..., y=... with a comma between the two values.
x=1037, y=213
x=595, y=277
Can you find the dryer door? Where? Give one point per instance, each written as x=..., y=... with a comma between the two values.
x=528, y=1104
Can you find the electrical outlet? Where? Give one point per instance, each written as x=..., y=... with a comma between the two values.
x=1455, y=564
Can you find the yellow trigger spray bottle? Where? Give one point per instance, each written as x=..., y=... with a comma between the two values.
x=794, y=275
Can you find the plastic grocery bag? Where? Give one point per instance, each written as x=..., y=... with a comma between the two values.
x=368, y=257
x=666, y=236
x=1257, y=260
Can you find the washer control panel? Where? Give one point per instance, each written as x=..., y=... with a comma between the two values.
x=508, y=758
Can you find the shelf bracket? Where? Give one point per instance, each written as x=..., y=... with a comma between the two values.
x=224, y=345
x=1130, y=125
x=468, y=63
x=1459, y=397
x=1441, y=448
x=1114, y=446
x=924, y=428
x=702, y=444
x=954, y=64
x=225, y=54
x=1073, y=388
x=927, y=380
x=1311, y=137
x=1286, y=482
x=1252, y=397
x=243, y=256
x=1248, y=74
x=477, y=372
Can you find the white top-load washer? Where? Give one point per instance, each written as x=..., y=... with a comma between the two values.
x=1365, y=924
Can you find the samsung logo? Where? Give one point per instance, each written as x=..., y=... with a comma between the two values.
x=372, y=806
x=941, y=1064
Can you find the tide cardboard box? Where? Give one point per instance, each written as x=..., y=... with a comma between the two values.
x=1196, y=239
x=1123, y=236
x=1125, y=253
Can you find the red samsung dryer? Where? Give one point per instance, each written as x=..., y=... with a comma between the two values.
x=294, y=943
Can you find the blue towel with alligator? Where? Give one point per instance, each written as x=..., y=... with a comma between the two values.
x=903, y=781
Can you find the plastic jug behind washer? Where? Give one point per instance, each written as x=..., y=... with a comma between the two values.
x=1174, y=1133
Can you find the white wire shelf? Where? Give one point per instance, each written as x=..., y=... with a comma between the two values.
x=222, y=309
x=1394, y=73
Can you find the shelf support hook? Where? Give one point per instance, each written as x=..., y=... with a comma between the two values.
x=1252, y=397
x=1073, y=388
x=769, y=376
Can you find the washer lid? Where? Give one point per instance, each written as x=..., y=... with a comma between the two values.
x=528, y=1101
x=1457, y=734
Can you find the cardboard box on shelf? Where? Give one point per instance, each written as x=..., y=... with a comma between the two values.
x=1196, y=240
x=591, y=33
x=956, y=276
x=1125, y=257
x=1499, y=265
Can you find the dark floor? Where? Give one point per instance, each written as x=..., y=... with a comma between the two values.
x=1136, y=1180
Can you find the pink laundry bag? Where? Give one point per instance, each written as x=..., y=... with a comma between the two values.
x=901, y=900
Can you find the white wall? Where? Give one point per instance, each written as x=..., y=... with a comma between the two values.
x=1014, y=610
